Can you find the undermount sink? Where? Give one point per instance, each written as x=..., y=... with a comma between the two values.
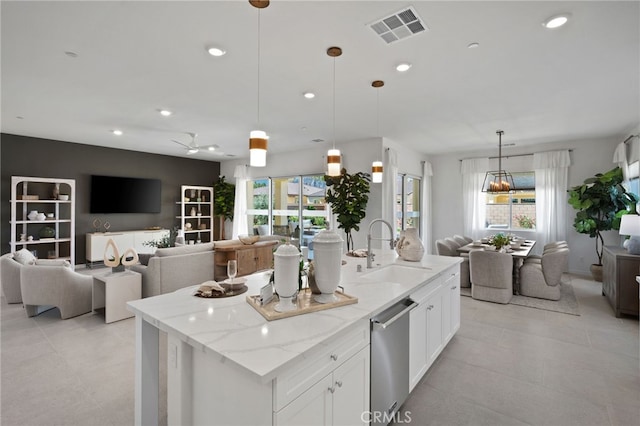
x=398, y=274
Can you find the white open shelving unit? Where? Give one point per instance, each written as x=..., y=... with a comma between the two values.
x=23, y=190
x=198, y=200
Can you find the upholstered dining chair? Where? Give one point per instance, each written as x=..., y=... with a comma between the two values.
x=55, y=285
x=467, y=240
x=491, y=275
x=448, y=247
x=460, y=240
x=543, y=280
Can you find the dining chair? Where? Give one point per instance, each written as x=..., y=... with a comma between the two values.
x=491, y=276
x=543, y=280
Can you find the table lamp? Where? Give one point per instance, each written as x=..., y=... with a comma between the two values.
x=630, y=225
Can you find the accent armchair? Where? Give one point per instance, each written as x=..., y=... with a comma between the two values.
x=543, y=280
x=45, y=285
x=10, y=277
x=491, y=275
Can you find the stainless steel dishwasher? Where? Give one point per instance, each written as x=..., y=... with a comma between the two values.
x=390, y=361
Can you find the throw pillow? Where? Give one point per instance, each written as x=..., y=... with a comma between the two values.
x=24, y=256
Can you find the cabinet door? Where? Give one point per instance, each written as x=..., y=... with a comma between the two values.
x=312, y=407
x=454, y=288
x=417, y=344
x=451, y=306
x=434, y=327
x=264, y=258
x=627, y=286
x=351, y=390
x=246, y=261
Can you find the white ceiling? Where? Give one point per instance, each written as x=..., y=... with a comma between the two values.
x=135, y=57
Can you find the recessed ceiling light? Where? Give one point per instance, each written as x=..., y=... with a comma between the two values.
x=117, y=132
x=556, y=21
x=403, y=67
x=216, y=51
x=165, y=112
x=473, y=45
x=309, y=95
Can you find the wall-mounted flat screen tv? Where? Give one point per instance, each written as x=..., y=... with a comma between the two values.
x=114, y=194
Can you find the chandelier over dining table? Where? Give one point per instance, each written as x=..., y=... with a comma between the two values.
x=498, y=181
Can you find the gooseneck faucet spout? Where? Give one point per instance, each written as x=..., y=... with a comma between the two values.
x=369, y=238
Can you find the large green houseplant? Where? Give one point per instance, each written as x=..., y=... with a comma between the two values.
x=600, y=203
x=224, y=197
x=348, y=195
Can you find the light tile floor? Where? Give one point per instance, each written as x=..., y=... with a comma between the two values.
x=508, y=365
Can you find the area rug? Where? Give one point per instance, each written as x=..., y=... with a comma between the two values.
x=568, y=304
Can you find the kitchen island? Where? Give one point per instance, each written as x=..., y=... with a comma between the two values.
x=228, y=365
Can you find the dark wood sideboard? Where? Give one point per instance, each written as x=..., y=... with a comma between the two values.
x=619, y=280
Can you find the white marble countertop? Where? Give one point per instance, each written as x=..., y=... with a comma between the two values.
x=231, y=330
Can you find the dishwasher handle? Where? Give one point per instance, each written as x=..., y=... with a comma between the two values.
x=377, y=325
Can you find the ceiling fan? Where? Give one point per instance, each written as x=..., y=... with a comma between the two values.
x=194, y=148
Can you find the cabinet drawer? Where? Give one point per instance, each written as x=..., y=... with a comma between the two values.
x=421, y=294
x=292, y=383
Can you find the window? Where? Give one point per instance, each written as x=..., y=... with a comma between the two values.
x=407, y=203
x=275, y=205
x=515, y=210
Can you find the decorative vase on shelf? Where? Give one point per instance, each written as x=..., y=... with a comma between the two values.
x=410, y=246
x=47, y=232
x=56, y=191
x=33, y=214
x=41, y=216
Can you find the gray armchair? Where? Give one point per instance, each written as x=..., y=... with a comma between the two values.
x=491, y=275
x=448, y=247
x=55, y=285
x=543, y=280
x=10, y=277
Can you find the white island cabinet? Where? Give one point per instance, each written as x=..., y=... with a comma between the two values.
x=227, y=365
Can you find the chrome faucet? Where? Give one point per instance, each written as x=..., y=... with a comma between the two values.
x=391, y=240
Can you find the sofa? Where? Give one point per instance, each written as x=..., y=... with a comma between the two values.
x=173, y=268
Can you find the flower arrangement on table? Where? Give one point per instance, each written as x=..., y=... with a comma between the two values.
x=499, y=241
x=117, y=262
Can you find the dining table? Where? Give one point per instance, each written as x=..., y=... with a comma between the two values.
x=519, y=255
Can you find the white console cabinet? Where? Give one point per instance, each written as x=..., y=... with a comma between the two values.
x=433, y=322
x=97, y=241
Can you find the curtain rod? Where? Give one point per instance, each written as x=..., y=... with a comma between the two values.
x=514, y=155
x=630, y=137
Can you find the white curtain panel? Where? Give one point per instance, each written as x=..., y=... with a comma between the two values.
x=620, y=158
x=240, y=223
x=474, y=201
x=390, y=168
x=552, y=171
x=426, y=218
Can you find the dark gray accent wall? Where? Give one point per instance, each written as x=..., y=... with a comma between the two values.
x=28, y=156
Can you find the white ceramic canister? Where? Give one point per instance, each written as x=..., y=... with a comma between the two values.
x=286, y=267
x=327, y=258
x=33, y=214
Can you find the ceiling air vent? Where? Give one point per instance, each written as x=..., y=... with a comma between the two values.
x=399, y=26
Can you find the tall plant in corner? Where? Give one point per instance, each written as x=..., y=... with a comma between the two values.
x=348, y=195
x=600, y=203
x=224, y=197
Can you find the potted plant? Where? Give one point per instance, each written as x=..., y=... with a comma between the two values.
x=348, y=195
x=224, y=194
x=600, y=201
x=499, y=241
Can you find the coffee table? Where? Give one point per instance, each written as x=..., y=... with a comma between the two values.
x=112, y=291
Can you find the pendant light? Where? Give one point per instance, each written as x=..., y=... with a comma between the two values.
x=333, y=155
x=498, y=181
x=376, y=166
x=258, y=138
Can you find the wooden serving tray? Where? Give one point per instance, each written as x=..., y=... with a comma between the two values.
x=305, y=303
